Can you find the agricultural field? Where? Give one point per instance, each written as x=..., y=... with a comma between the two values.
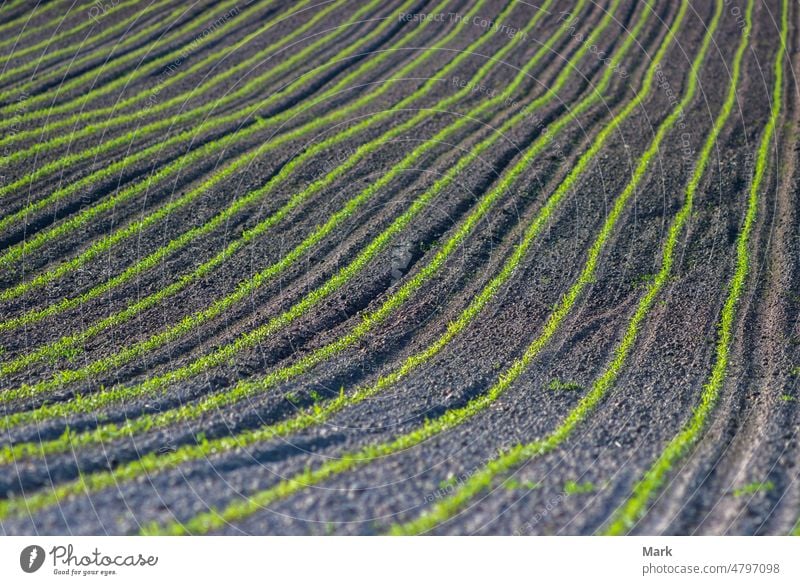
x=399, y=267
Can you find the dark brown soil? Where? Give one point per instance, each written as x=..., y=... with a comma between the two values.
x=750, y=438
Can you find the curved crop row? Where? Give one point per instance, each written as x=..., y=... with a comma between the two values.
x=241, y=162
x=215, y=59
x=306, y=419
x=122, y=55
x=245, y=288
x=190, y=134
x=14, y=23
x=15, y=252
x=101, y=480
x=186, y=138
x=483, y=207
x=187, y=237
x=83, y=115
x=251, y=197
x=484, y=478
x=636, y=506
x=238, y=510
x=208, y=124
x=51, y=55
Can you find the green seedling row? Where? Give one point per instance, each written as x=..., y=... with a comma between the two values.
x=187, y=137
x=173, y=246
x=247, y=287
x=108, y=432
x=14, y=23
x=646, y=488
x=522, y=453
x=16, y=252
x=104, y=32
x=321, y=412
x=243, y=508
x=123, y=57
x=78, y=104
